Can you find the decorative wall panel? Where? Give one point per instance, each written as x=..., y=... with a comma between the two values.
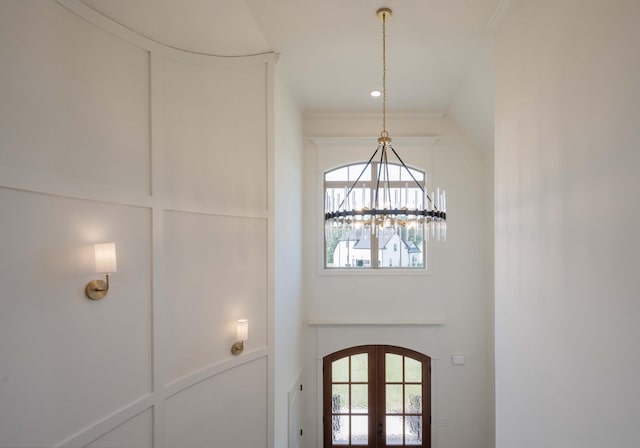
x=198, y=417
x=211, y=281
x=218, y=113
x=75, y=99
x=66, y=360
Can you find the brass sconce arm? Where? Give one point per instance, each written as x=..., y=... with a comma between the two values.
x=97, y=289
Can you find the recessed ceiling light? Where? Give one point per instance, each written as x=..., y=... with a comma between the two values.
x=376, y=93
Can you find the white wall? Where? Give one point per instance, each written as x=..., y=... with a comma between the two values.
x=288, y=263
x=471, y=109
x=106, y=136
x=567, y=212
x=395, y=308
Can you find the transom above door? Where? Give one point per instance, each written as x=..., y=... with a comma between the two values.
x=377, y=396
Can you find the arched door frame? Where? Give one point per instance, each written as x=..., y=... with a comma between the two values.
x=377, y=383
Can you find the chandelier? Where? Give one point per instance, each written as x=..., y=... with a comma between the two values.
x=390, y=207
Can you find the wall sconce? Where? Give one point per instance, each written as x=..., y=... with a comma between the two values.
x=242, y=334
x=105, y=264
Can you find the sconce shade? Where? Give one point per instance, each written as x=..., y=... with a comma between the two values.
x=242, y=334
x=106, y=258
x=105, y=254
x=242, y=329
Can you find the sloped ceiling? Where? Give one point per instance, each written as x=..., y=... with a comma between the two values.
x=331, y=50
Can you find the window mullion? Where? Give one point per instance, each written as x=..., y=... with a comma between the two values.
x=353, y=248
x=375, y=263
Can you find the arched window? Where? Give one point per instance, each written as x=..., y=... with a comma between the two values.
x=377, y=396
x=360, y=248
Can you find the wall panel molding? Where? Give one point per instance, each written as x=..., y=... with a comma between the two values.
x=107, y=424
x=211, y=371
x=50, y=184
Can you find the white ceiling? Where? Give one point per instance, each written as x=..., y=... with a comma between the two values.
x=331, y=50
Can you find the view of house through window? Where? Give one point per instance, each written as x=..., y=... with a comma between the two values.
x=363, y=247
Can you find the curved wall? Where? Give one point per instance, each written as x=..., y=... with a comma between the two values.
x=108, y=136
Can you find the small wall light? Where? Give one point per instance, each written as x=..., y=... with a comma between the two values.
x=105, y=264
x=242, y=334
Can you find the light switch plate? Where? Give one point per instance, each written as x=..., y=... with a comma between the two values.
x=457, y=360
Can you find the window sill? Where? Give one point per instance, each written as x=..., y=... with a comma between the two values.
x=336, y=323
x=375, y=272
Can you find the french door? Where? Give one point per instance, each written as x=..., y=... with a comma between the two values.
x=377, y=396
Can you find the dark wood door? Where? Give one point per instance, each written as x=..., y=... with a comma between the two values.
x=377, y=396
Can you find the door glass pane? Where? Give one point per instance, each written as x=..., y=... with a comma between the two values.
x=359, y=398
x=340, y=399
x=393, y=399
x=359, y=430
x=360, y=368
x=340, y=370
x=340, y=429
x=412, y=370
x=413, y=430
x=413, y=398
x=394, y=430
x=393, y=368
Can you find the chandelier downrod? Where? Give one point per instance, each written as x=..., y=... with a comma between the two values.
x=383, y=14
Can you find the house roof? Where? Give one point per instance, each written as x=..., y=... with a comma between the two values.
x=365, y=243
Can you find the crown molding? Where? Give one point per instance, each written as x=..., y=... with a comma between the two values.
x=328, y=115
x=423, y=140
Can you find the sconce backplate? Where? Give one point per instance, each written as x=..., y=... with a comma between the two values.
x=96, y=289
x=237, y=347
